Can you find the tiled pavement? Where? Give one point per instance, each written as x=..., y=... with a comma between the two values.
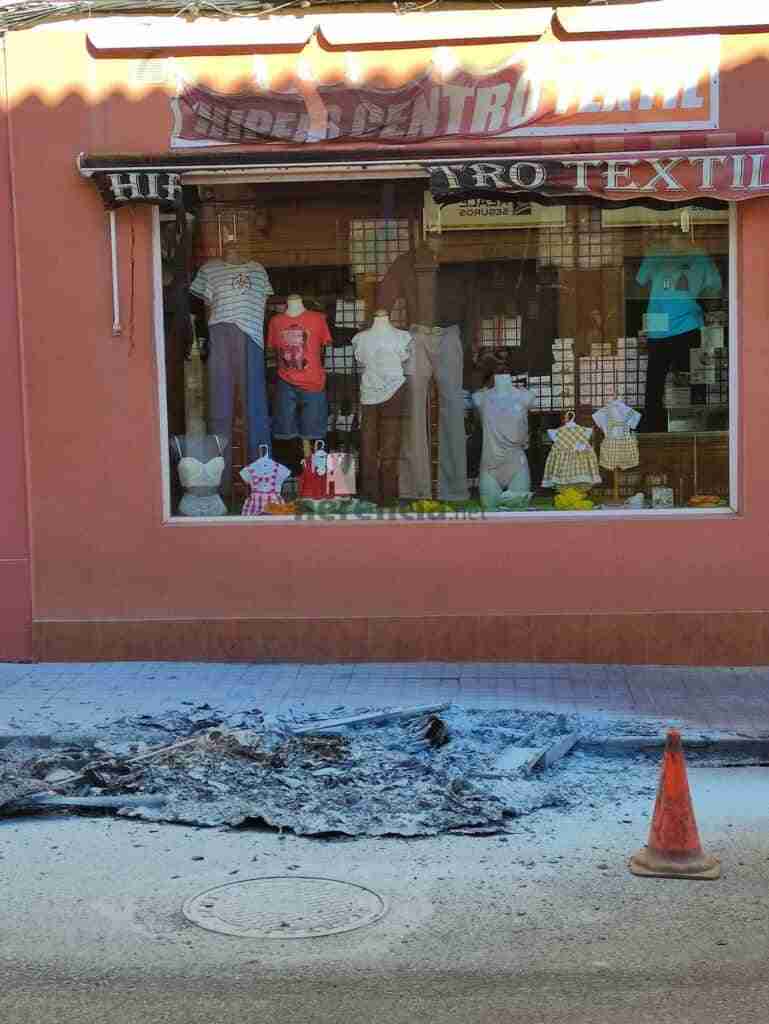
x=76, y=697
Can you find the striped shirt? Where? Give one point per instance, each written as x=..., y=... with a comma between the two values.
x=237, y=294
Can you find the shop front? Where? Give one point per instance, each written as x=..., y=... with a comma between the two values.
x=379, y=337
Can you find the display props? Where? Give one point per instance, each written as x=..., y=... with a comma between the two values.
x=381, y=352
x=572, y=460
x=297, y=337
x=200, y=474
x=314, y=477
x=504, y=412
x=235, y=295
x=265, y=477
x=677, y=275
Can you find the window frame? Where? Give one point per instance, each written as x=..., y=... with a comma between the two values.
x=346, y=173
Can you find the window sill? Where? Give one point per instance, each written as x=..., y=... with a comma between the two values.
x=457, y=518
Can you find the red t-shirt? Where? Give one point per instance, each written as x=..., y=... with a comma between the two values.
x=298, y=342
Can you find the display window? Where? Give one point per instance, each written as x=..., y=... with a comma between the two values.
x=358, y=352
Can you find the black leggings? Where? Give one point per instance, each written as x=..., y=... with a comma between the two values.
x=665, y=354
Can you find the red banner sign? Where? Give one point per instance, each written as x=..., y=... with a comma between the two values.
x=540, y=89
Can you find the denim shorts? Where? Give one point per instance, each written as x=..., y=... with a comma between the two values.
x=299, y=413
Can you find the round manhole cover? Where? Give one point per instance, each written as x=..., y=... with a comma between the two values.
x=284, y=908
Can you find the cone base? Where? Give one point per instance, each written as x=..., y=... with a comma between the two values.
x=649, y=864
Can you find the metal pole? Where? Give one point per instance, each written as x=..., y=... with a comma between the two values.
x=117, y=327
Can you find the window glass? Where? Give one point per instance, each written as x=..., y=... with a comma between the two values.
x=359, y=352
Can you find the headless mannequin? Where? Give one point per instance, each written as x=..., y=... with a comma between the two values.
x=236, y=355
x=679, y=277
x=504, y=469
x=207, y=450
x=441, y=306
x=381, y=351
x=300, y=407
x=295, y=307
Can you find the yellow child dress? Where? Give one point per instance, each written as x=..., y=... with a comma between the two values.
x=571, y=459
x=619, y=448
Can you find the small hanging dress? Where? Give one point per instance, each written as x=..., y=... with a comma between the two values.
x=619, y=448
x=265, y=479
x=571, y=459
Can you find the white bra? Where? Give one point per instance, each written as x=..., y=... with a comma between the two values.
x=196, y=473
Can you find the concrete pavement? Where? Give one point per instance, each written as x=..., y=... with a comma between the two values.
x=50, y=698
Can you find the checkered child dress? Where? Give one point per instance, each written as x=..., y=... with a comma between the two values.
x=571, y=459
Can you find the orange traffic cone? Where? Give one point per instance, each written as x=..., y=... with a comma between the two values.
x=673, y=849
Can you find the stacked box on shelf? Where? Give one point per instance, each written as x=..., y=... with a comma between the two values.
x=634, y=367
x=563, y=376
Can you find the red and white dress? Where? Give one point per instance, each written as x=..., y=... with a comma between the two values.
x=265, y=477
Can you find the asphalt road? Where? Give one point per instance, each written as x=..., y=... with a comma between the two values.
x=544, y=925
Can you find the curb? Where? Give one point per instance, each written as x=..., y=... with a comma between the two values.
x=743, y=745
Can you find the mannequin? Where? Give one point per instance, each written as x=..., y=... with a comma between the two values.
x=381, y=352
x=200, y=464
x=235, y=294
x=571, y=461
x=301, y=407
x=441, y=305
x=676, y=274
x=504, y=412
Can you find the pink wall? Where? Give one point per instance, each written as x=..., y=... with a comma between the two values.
x=101, y=550
x=15, y=583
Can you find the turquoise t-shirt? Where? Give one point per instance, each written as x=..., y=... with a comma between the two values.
x=677, y=281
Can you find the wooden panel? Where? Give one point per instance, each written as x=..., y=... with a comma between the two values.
x=692, y=463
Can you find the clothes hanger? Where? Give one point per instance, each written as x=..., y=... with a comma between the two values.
x=319, y=457
x=262, y=454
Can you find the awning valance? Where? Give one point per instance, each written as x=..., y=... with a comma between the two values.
x=672, y=176
x=730, y=174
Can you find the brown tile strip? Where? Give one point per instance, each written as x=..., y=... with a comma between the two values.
x=681, y=638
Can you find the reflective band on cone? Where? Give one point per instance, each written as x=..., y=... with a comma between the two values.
x=674, y=849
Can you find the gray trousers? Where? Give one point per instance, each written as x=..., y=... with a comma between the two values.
x=436, y=352
x=236, y=366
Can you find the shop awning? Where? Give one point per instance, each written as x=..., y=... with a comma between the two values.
x=664, y=176
x=653, y=176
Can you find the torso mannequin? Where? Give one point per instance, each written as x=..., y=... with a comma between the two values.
x=297, y=337
x=200, y=465
x=381, y=351
x=235, y=291
x=504, y=412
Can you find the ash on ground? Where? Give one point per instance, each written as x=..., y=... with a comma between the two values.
x=362, y=780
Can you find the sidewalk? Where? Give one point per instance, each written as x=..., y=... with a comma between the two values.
x=50, y=698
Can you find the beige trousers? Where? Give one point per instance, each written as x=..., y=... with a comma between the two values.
x=436, y=352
